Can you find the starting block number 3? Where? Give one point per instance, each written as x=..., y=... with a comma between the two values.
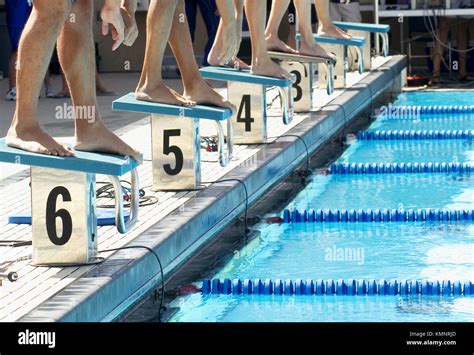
x=302, y=86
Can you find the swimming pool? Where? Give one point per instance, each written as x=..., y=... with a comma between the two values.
x=332, y=251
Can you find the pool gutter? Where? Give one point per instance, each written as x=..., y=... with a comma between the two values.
x=109, y=289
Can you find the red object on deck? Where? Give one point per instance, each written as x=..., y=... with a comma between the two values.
x=417, y=80
x=275, y=219
x=189, y=290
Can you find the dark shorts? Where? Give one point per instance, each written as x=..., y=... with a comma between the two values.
x=18, y=12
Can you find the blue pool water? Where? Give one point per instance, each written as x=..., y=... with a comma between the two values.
x=435, y=98
x=417, y=251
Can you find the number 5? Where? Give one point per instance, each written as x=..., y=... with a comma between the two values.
x=172, y=149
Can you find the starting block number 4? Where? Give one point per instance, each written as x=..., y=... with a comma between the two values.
x=250, y=120
x=63, y=216
x=250, y=123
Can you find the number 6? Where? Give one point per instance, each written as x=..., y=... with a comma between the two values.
x=52, y=214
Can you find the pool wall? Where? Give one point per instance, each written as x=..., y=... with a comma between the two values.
x=114, y=286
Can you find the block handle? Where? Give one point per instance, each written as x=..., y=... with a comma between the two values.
x=360, y=55
x=384, y=43
x=223, y=158
x=329, y=66
x=122, y=226
x=287, y=105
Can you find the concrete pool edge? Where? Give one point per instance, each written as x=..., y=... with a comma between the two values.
x=110, y=288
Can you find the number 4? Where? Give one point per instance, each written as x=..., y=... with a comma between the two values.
x=247, y=119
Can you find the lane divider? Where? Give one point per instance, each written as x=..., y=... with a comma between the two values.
x=398, y=168
x=376, y=215
x=350, y=287
x=436, y=134
x=402, y=111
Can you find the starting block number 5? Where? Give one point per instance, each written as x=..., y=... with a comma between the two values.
x=176, y=152
x=172, y=149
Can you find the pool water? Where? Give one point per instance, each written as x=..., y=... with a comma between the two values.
x=412, y=251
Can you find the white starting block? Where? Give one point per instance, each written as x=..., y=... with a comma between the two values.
x=63, y=202
x=365, y=30
x=303, y=67
x=176, y=140
x=248, y=93
x=339, y=48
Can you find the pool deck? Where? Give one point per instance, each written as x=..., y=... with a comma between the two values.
x=182, y=222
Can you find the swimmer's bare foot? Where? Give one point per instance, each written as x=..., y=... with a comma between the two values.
x=313, y=49
x=275, y=44
x=343, y=32
x=238, y=64
x=268, y=67
x=334, y=33
x=162, y=94
x=95, y=137
x=203, y=94
x=35, y=140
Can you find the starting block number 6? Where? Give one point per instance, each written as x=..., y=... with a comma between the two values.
x=64, y=220
x=52, y=215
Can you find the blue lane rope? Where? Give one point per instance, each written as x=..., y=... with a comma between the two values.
x=350, y=287
x=376, y=215
x=399, y=168
x=431, y=134
x=431, y=109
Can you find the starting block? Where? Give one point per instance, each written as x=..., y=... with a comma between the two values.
x=176, y=140
x=339, y=48
x=364, y=30
x=303, y=67
x=63, y=202
x=248, y=93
